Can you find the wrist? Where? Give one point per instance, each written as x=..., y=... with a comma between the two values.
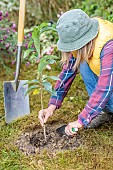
x=80, y=125
x=79, y=121
x=52, y=107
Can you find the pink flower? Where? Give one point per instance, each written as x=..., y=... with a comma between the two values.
x=7, y=29
x=6, y=14
x=0, y=13
x=15, y=50
x=13, y=26
x=7, y=45
x=5, y=37
x=0, y=18
x=30, y=34
x=14, y=30
x=27, y=64
x=26, y=45
x=25, y=37
x=13, y=62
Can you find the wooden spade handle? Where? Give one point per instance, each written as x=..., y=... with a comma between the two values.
x=21, y=22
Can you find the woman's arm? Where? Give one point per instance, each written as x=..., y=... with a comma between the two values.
x=103, y=89
x=67, y=76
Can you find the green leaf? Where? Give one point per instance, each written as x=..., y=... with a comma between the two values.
x=32, y=57
x=42, y=25
x=31, y=88
x=36, y=38
x=36, y=32
x=47, y=57
x=42, y=65
x=27, y=52
x=54, y=78
x=30, y=43
x=28, y=30
x=44, y=78
x=31, y=82
x=46, y=60
x=47, y=86
x=51, y=61
x=47, y=29
x=37, y=44
x=54, y=93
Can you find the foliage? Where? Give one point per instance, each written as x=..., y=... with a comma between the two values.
x=7, y=37
x=34, y=53
x=8, y=41
x=47, y=41
x=100, y=8
x=38, y=11
x=12, y=7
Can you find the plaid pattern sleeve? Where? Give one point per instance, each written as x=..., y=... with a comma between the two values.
x=67, y=76
x=103, y=89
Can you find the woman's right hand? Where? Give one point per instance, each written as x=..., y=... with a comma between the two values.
x=45, y=114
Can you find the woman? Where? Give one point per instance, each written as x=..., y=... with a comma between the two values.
x=87, y=44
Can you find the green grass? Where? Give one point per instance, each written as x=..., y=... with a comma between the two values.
x=95, y=152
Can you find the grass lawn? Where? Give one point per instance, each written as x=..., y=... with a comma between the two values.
x=94, y=153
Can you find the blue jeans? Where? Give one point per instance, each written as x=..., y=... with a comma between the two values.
x=90, y=80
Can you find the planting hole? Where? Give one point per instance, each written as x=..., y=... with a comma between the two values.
x=33, y=142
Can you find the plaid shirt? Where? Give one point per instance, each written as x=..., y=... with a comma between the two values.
x=101, y=93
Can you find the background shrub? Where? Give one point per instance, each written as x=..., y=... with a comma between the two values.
x=38, y=11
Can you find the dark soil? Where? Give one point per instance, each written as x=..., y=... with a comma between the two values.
x=33, y=142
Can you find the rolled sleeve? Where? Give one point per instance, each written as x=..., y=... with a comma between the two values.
x=66, y=76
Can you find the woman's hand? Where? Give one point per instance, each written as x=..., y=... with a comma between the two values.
x=45, y=114
x=68, y=128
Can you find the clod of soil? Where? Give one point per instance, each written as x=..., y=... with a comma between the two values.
x=33, y=142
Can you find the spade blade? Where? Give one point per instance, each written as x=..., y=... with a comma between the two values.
x=16, y=104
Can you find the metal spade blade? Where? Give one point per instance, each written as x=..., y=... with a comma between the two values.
x=16, y=104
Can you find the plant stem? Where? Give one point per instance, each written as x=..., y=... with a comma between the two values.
x=42, y=110
x=45, y=132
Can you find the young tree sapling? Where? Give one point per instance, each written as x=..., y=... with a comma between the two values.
x=42, y=81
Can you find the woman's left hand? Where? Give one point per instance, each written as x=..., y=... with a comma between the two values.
x=68, y=128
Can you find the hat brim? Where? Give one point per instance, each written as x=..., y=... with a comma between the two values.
x=82, y=41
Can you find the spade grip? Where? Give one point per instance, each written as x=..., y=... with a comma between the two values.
x=21, y=22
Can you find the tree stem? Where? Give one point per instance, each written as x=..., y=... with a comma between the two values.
x=42, y=111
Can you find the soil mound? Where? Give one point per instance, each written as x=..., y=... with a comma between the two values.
x=33, y=142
